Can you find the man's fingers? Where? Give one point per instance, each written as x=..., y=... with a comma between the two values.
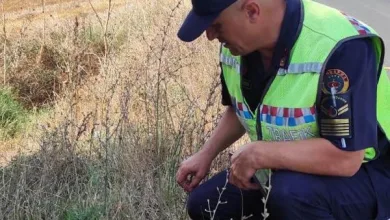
x=186, y=187
x=246, y=185
x=242, y=182
x=236, y=182
x=195, y=181
x=182, y=176
x=186, y=181
x=233, y=179
x=233, y=158
x=190, y=184
x=251, y=186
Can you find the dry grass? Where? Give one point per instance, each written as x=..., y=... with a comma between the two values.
x=27, y=16
x=117, y=119
x=17, y=5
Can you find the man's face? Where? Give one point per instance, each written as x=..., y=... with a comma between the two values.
x=234, y=28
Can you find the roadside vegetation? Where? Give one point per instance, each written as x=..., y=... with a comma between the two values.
x=101, y=108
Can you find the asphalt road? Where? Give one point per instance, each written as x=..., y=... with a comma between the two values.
x=375, y=13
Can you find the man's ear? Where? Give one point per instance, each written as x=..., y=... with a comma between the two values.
x=252, y=10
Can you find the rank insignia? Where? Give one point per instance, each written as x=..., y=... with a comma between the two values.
x=335, y=118
x=334, y=106
x=335, y=82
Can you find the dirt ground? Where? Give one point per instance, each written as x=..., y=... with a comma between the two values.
x=17, y=5
x=6, y=156
x=30, y=13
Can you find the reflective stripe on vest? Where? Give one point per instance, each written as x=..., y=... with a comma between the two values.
x=241, y=109
x=359, y=26
x=287, y=116
x=296, y=68
x=230, y=61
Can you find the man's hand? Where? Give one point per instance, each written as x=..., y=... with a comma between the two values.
x=193, y=170
x=316, y=156
x=242, y=167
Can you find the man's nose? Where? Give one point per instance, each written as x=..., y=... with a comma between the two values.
x=211, y=33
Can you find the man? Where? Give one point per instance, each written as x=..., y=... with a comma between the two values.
x=306, y=82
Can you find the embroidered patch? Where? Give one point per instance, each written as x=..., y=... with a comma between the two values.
x=334, y=106
x=339, y=128
x=335, y=82
x=336, y=116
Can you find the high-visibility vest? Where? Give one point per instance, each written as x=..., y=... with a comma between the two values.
x=289, y=107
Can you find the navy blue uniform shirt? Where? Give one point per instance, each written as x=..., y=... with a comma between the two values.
x=355, y=59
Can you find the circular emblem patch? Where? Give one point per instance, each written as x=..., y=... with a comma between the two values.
x=334, y=106
x=336, y=80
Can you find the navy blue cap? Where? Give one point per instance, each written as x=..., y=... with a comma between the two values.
x=202, y=15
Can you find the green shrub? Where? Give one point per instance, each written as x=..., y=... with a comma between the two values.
x=12, y=114
x=91, y=213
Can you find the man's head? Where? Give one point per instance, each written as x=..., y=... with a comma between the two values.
x=242, y=25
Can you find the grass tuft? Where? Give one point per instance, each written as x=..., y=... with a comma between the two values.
x=12, y=114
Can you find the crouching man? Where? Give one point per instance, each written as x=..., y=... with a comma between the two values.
x=306, y=83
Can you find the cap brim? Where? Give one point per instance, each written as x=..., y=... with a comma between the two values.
x=194, y=25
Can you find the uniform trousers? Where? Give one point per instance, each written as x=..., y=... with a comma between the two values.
x=294, y=195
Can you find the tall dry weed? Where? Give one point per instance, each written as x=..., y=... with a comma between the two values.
x=122, y=120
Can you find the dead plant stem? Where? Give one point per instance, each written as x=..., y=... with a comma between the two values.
x=160, y=71
x=105, y=31
x=5, y=46
x=103, y=26
x=44, y=24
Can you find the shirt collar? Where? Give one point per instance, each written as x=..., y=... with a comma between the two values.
x=289, y=33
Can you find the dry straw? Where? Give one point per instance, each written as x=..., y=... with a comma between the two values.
x=126, y=101
x=4, y=46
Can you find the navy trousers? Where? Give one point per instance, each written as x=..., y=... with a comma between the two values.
x=296, y=196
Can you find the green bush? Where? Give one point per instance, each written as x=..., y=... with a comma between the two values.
x=91, y=213
x=12, y=114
